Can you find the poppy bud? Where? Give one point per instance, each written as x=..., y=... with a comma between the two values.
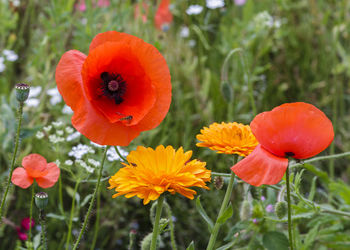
x=218, y=182
x=22, y=92
x=41, y=200
x=281, y=209
x=245, y=210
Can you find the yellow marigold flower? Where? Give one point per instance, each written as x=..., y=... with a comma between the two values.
x=228, y=138
x=149, y=173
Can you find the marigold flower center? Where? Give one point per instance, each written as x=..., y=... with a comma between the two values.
x=113, y=86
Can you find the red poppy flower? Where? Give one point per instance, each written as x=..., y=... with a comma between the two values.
x=163, y=16
x=120, y=89
x=35, y=167
x=298, y=130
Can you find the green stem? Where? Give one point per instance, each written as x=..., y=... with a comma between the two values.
x=92, y=200
x=71, y=215
x=20, y=112
x=171, y=226
x=30, y=218
x=43, y=229
x=289, y=211
x=120, y=155
x=60, y=196
x=97, y=223
x=156, y=222
x=224, y=204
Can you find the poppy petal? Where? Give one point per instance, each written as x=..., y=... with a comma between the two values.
x=261, y=167
x=35, y=165
x=68, y=78
x=296, y=129
x=50, y=178
x=98, y=129
x=110, y=36
x=163, y=15
x=20, y=178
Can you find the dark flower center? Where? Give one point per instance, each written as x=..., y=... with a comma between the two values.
x=289, y=154
x=113, y=86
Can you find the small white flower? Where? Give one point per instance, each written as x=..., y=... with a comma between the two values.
x=84, y=165
x=59, y=132
x=73, y=136
x=80, y=150
x=2, y=65
x=34, y=91
x=10, y=55
x=39, y=135
x=47, y=128
x=68, y=162
x=113, y=156
x=55, y=96
x=16, y=3
x=67, y=110
x=94, y=162
x=55, y=139
x=32, y=102
x=214, y=4
x=194, y=9
x=57, y=124
x=191, y=43
x=69, y=130
x=184, y=32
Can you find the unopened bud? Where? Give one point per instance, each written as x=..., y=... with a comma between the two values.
x=245, y=210
x=41, y=200
x=218, y=182
x=281, y=209
x=226, y=91
x=22, y=92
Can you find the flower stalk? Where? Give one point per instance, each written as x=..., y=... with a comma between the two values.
x=289, y=210
x=71, y=215
x=156, y=222
x=223, y=207
x=30, y=219
x=92, y=200
x=20, y=113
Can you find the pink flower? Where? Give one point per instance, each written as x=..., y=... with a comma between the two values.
x=240, y=2
x=25, y=224
x=103, y=3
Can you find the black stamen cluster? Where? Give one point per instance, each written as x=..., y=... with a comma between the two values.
x=110, y=93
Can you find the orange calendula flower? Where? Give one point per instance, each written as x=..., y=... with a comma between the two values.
x=35, y=167
x=149, y=173
x=298, y=130
x=121, y=88
x=228, y=138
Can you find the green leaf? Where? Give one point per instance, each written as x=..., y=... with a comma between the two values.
x=191, y=246
x=275, y=241
x=310, y=237
x=241, y=225
x=322, y=174
x=312, y=189
x=204, y=214
x=341, y=189
x=226, y=215
x=227, y=246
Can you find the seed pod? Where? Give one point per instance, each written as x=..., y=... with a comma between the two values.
x=281, y=209
x=218, y=182
x=226, y=91
x=41, y=200
x=22, y=92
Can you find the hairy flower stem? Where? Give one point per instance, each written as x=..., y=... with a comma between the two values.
x=289, y=210
x=20, y=113
x=223, y=207
x=171, y=226
x=156, y=222
x=97, y=222
x=30, y=219
x=43, y=229
x=71, y=215
x=92, y=200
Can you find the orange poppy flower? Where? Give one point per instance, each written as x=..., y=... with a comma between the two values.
x=163, y=16
x=119, y=90
x=298, y=130
x=35, y=167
